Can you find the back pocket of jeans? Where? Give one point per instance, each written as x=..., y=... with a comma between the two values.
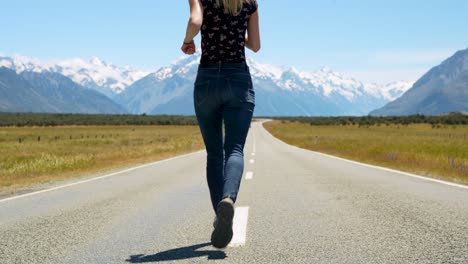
x=200, y=92
x=242, y=90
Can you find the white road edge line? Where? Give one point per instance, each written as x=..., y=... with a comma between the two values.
x=239, y=226
x=99, y=178
x=380, y=168
x=390, y=170
x=249, y=175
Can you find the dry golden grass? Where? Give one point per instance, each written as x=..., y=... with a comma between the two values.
x=435, y=152
x=31, y=155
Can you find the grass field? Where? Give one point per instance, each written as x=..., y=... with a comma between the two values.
x=30, y=155
x=439, y=152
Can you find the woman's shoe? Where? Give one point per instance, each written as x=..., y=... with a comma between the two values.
x=222, y=234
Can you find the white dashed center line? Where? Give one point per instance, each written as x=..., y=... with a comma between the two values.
x=241, y=214
x=239, y=227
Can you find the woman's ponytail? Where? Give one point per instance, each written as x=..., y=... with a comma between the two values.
x=232, y=7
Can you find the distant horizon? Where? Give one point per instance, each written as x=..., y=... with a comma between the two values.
x=361, y=76
x=352, y=75
x=372, y=41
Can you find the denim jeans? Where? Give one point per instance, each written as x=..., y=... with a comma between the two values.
x=224, y=92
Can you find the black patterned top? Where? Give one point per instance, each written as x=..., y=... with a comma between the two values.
x=223, y=35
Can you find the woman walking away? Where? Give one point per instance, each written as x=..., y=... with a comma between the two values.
x=223, y=91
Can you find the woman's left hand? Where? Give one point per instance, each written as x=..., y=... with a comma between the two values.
x=188, y=48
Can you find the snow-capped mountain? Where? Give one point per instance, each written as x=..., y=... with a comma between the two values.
x=94, y=73
x=326, y=82
x=48, y=92
x=442, y=89
x=279, y=91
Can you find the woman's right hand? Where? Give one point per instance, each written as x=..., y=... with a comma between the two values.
x=188, y=48
x=193, y=26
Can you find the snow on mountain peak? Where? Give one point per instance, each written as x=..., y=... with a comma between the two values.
x=324, y=81
x=326, y=70
x=96, y=73
x=21, y=63
x=394, y=90
x=260, y=70
x=329, y=82
x=163, y=73
x=6, y=63
x=93, y=73
x=97, y=61
x=187, y=60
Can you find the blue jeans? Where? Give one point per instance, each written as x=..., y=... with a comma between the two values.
x=224, y=92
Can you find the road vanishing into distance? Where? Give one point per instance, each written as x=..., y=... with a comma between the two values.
x=295, y=206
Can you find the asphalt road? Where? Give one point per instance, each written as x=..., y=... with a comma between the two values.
x=303, y=207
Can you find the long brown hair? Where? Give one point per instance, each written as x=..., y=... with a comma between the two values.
x=232, y=7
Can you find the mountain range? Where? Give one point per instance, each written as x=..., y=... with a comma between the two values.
x=443, y=89
x=50, y=92
x=95, y=73
x=280, y=91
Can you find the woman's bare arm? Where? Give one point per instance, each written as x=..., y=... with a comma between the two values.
x=193, y=26
x=252, y=40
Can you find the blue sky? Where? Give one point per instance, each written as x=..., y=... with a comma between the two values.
x=374, y=40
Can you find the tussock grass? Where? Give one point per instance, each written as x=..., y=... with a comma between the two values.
x=439, y=152
x=31, y=155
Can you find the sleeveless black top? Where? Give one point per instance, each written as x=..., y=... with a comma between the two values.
x=223, y=35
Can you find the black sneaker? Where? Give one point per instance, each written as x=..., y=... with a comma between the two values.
x=222, y=234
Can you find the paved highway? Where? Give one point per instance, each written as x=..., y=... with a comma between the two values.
x=295, y=206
